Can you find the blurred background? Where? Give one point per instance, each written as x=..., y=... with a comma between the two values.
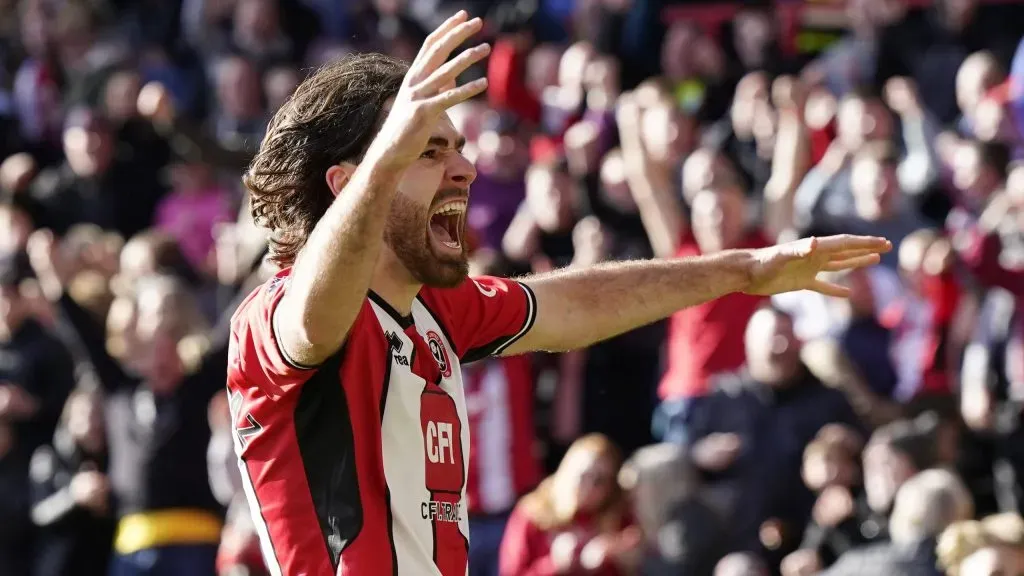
x=743, y=437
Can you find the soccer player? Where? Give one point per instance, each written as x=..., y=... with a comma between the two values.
x=344, y=375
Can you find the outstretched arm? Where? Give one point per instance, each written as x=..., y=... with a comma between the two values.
x=576, y=308
x=331, y=277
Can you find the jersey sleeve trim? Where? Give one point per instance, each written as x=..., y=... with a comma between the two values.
x=280, y=348
x=499, y=345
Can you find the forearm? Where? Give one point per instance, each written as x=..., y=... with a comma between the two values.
x=919, y=168
x=789, y=166
x=53, y=508
x=332, y=275
x=808, y=194
x=579, y=307
x=663, y=220
x=660, y=211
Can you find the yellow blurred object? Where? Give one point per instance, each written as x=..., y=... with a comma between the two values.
x=166, y=528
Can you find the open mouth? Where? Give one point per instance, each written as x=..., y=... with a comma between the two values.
x=446, y=224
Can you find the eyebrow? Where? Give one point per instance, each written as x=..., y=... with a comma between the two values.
x=442, y=142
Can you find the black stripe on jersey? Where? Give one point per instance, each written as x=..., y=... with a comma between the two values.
x=323, y=428
x=403, y=321
x=498, y=345
x=387, y=382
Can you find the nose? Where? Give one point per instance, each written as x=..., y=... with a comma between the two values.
x=460, y=171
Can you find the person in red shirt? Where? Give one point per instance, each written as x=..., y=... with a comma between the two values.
x=344, y=369
x=705, y=339
x=504, y=464
x=576, y=521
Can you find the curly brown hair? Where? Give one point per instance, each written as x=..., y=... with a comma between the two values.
x=332, y=117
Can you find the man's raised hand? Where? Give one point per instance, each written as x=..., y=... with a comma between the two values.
x=795, y=265
x=429, y=89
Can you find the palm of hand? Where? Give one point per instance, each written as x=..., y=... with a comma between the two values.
x=795, y=265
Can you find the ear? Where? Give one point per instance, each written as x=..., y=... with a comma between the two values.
x=338, y=176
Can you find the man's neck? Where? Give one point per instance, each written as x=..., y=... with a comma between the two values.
x=393, y=282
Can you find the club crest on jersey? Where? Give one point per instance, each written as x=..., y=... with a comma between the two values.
x=440, y=353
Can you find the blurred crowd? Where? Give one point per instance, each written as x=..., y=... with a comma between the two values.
x=742, y=437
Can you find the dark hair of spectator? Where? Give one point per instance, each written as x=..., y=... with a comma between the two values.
x=994, y=156
x=864, y=93
x=556, y=164
x=880, y=151
x=168, y=256
x=514, y=17
x=915, y=439
x=14, y=268
x=332, y=117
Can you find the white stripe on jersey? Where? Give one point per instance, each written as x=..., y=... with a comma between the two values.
x=531, y=315
x=266, y=546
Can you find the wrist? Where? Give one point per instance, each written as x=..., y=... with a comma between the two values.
x=737, y=270
x=382, y=158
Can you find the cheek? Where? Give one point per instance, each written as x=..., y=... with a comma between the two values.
x=421, y=182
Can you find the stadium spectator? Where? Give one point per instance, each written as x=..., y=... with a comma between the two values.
x=193, y=209
x=893, y=455
x=35, y=379
x=992, y=545
x=156, y=406
x=772, y=401
x=924, y=507
x=71, y=496
x=830, y=469
x=576, y=520
x=502, y=159
x=667, y=499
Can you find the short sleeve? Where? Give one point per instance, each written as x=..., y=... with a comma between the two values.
x=484, y=315
x=255, y=351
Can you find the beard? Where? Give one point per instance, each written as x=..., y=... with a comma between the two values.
x=407, y=233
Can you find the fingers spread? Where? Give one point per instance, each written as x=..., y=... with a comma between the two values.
x=443, y=79
x=439, y=52
x=836, y=265
x=846, y=242
x=847, y=254
x=829, y=289
x=439, y=32
x=461, y=94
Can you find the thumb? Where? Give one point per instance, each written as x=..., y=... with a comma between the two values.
x=802, y=248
